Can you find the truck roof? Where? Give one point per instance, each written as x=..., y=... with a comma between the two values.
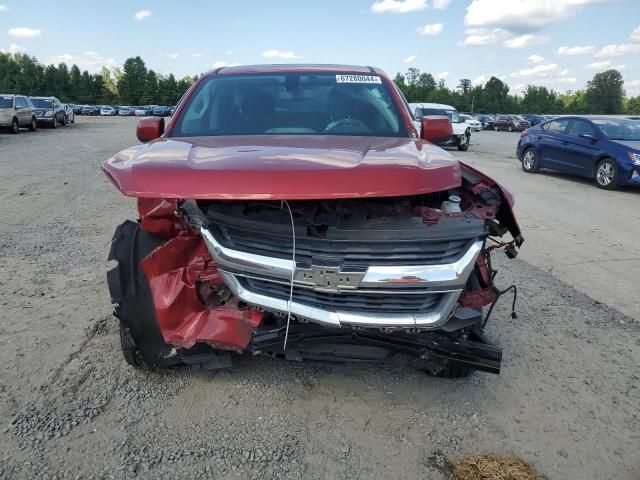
x=290, y=68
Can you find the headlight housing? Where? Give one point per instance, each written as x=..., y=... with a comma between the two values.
x=635, y=157
x=48, y=113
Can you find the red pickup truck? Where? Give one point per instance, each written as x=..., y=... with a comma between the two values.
x=295, y=211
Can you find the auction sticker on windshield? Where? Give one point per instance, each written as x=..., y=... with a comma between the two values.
x=358, y=79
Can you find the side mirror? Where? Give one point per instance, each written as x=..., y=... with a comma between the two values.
x=436, y=129
x=588, y=136
x=149, y=129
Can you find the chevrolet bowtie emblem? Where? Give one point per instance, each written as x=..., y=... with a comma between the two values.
x=327, y=278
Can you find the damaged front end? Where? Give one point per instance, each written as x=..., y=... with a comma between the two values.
x=341, y=279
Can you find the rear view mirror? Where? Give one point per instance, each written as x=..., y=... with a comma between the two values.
x=150, y=128
x=436, y=129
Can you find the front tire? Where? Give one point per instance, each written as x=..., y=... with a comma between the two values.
x=464, y=146
x=33, y=126
x=15, y=126
x=530, y=161
x=495, y=128
x=55, y=122
x=606, y=174
x=140, y=337
x=510, y=128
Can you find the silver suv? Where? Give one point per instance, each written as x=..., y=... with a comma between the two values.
x=17, y=111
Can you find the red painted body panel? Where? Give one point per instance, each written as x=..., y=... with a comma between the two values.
x=174, y=272
x=280, y=167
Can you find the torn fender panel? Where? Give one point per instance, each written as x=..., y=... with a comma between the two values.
x=174, y=271
x=158, y=216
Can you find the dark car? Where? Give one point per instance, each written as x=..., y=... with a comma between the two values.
x=487, y=121
x=49, y=111
x=91, y=110
x=296, y=211
x=606, y=150
x=533, y=119
x=172, y=110
x=160, y=111
x=511, y=123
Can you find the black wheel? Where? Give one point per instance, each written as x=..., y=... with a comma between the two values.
x=55, y=122
x=140, y=337
x=15, y=126
x=496, y=128
x=64, y=120
x=606, y=174
x=510, y=128
x=464, y=146
x=33, y=126
x=530, y=161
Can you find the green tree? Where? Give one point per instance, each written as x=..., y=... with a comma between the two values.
x=605, y=93
x=132, y=84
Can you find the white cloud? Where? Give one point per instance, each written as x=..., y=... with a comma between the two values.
x=617, y=50
x=172, y=56
x=398, y=6
x=89, y=60
x=597, y=65
x=142, y=14
x=522, y=15
x=524, y=41
x=441, y=4
x=535, y=59
x=4, y=8
x=442, y=75
x=566, y=79
x=477, y=37
x=635, y=35
x=566, y=51
x=564, y=72
x=410, y=59
x=431, y=30
x=24, y=32
x=196, y=55
x=632, y=87
x=279, y=54
x=542, y=70
x=13, y=48
x=222, y=63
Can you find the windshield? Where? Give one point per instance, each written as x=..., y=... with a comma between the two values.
x=42, y=103
x=6, y=102
x=291, y=103
x=452, y=114
x=626, y=130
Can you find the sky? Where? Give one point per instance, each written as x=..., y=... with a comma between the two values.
x=556, y=43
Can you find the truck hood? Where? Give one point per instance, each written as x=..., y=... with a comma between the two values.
x=278, y=167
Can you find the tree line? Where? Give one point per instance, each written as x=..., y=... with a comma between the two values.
x=603, y=94
x=133, y=84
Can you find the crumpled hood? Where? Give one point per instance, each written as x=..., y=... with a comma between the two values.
x=278, y=167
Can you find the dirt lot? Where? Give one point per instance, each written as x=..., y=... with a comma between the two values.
x=567, y=400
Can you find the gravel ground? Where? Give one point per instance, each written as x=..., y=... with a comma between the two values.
x=567, y=400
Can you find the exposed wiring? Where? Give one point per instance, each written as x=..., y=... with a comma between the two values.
x=293, y=271
x=499, y=293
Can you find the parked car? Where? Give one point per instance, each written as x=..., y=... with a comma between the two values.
x=461, y=131
x=49, y=111
x=89, y=110
x=108, y=111
x=385, y=253
x=511, y=123
x=533, y=119
x=172, y=110
x=70, y=114
x=161, y=111
x=486, y=120
x=142, y=111
x=604, y=149
x=16, y=112
x=125, y=111
x=475, y=124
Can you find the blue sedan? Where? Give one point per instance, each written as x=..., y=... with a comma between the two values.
x=604, y=149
